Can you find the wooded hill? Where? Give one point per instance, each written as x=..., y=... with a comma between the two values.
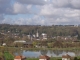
x=55, y=30
x=11, y=33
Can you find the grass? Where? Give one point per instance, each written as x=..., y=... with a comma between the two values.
x=32, y=59
x=52, y=58
x=55, y=58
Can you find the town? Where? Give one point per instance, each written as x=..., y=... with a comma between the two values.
x=38, y=37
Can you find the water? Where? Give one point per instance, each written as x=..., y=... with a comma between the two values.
x=53, y=53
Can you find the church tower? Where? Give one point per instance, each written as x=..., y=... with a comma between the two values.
x=37, y=34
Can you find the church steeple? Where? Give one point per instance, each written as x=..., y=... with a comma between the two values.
x=37, y=34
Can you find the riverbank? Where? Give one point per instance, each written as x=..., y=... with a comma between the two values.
x=51, y=58
x=29, y=54
x=36, y=49
x=74, y=48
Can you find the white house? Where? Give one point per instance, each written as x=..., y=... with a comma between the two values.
x=44, y=36
x=66, y=57
x=4, y=44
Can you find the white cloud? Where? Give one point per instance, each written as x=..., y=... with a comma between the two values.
x=46, y=10
x=59, y=14
x=21, y=9
x=29, y=6
x=72, y=13
x=35, y=20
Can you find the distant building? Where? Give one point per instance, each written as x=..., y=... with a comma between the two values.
x=44, y=57
x=37, y=36
x=28, y=44
x=4, y=44
x=44, y=36
x=19, y=41
x=75, y=25
x=28, y=36
x=34, y=35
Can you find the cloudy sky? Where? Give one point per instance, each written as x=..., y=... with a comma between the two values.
x=40, y=12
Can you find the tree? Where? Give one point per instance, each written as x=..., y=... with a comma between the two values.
x=57, y=44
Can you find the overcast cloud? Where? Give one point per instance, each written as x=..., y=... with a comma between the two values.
x=32, y=2
x=40, y=12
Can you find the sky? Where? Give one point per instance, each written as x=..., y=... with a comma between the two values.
x=40, y=12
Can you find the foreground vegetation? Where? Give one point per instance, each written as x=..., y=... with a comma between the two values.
x=52, y=58
x=8, y=56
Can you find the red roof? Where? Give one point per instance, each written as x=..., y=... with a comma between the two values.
x=20, y=57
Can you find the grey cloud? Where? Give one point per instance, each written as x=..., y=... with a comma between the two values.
x=66, y=4
x=61, y=3
x=1, y=17
x=75, y=4
x=5, y=7
x=4, y=1
x=8, y=8
x=33, y=2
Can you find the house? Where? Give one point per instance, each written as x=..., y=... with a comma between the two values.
x=20, y=58
x=20, y=41
x=28, y=44
x=44, y=57
x=4, y=44
x=44, y=36
x=66, y=57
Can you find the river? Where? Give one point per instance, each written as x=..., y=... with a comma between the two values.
x=53, y=53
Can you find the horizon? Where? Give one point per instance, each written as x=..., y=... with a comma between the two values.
x=42, y=25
